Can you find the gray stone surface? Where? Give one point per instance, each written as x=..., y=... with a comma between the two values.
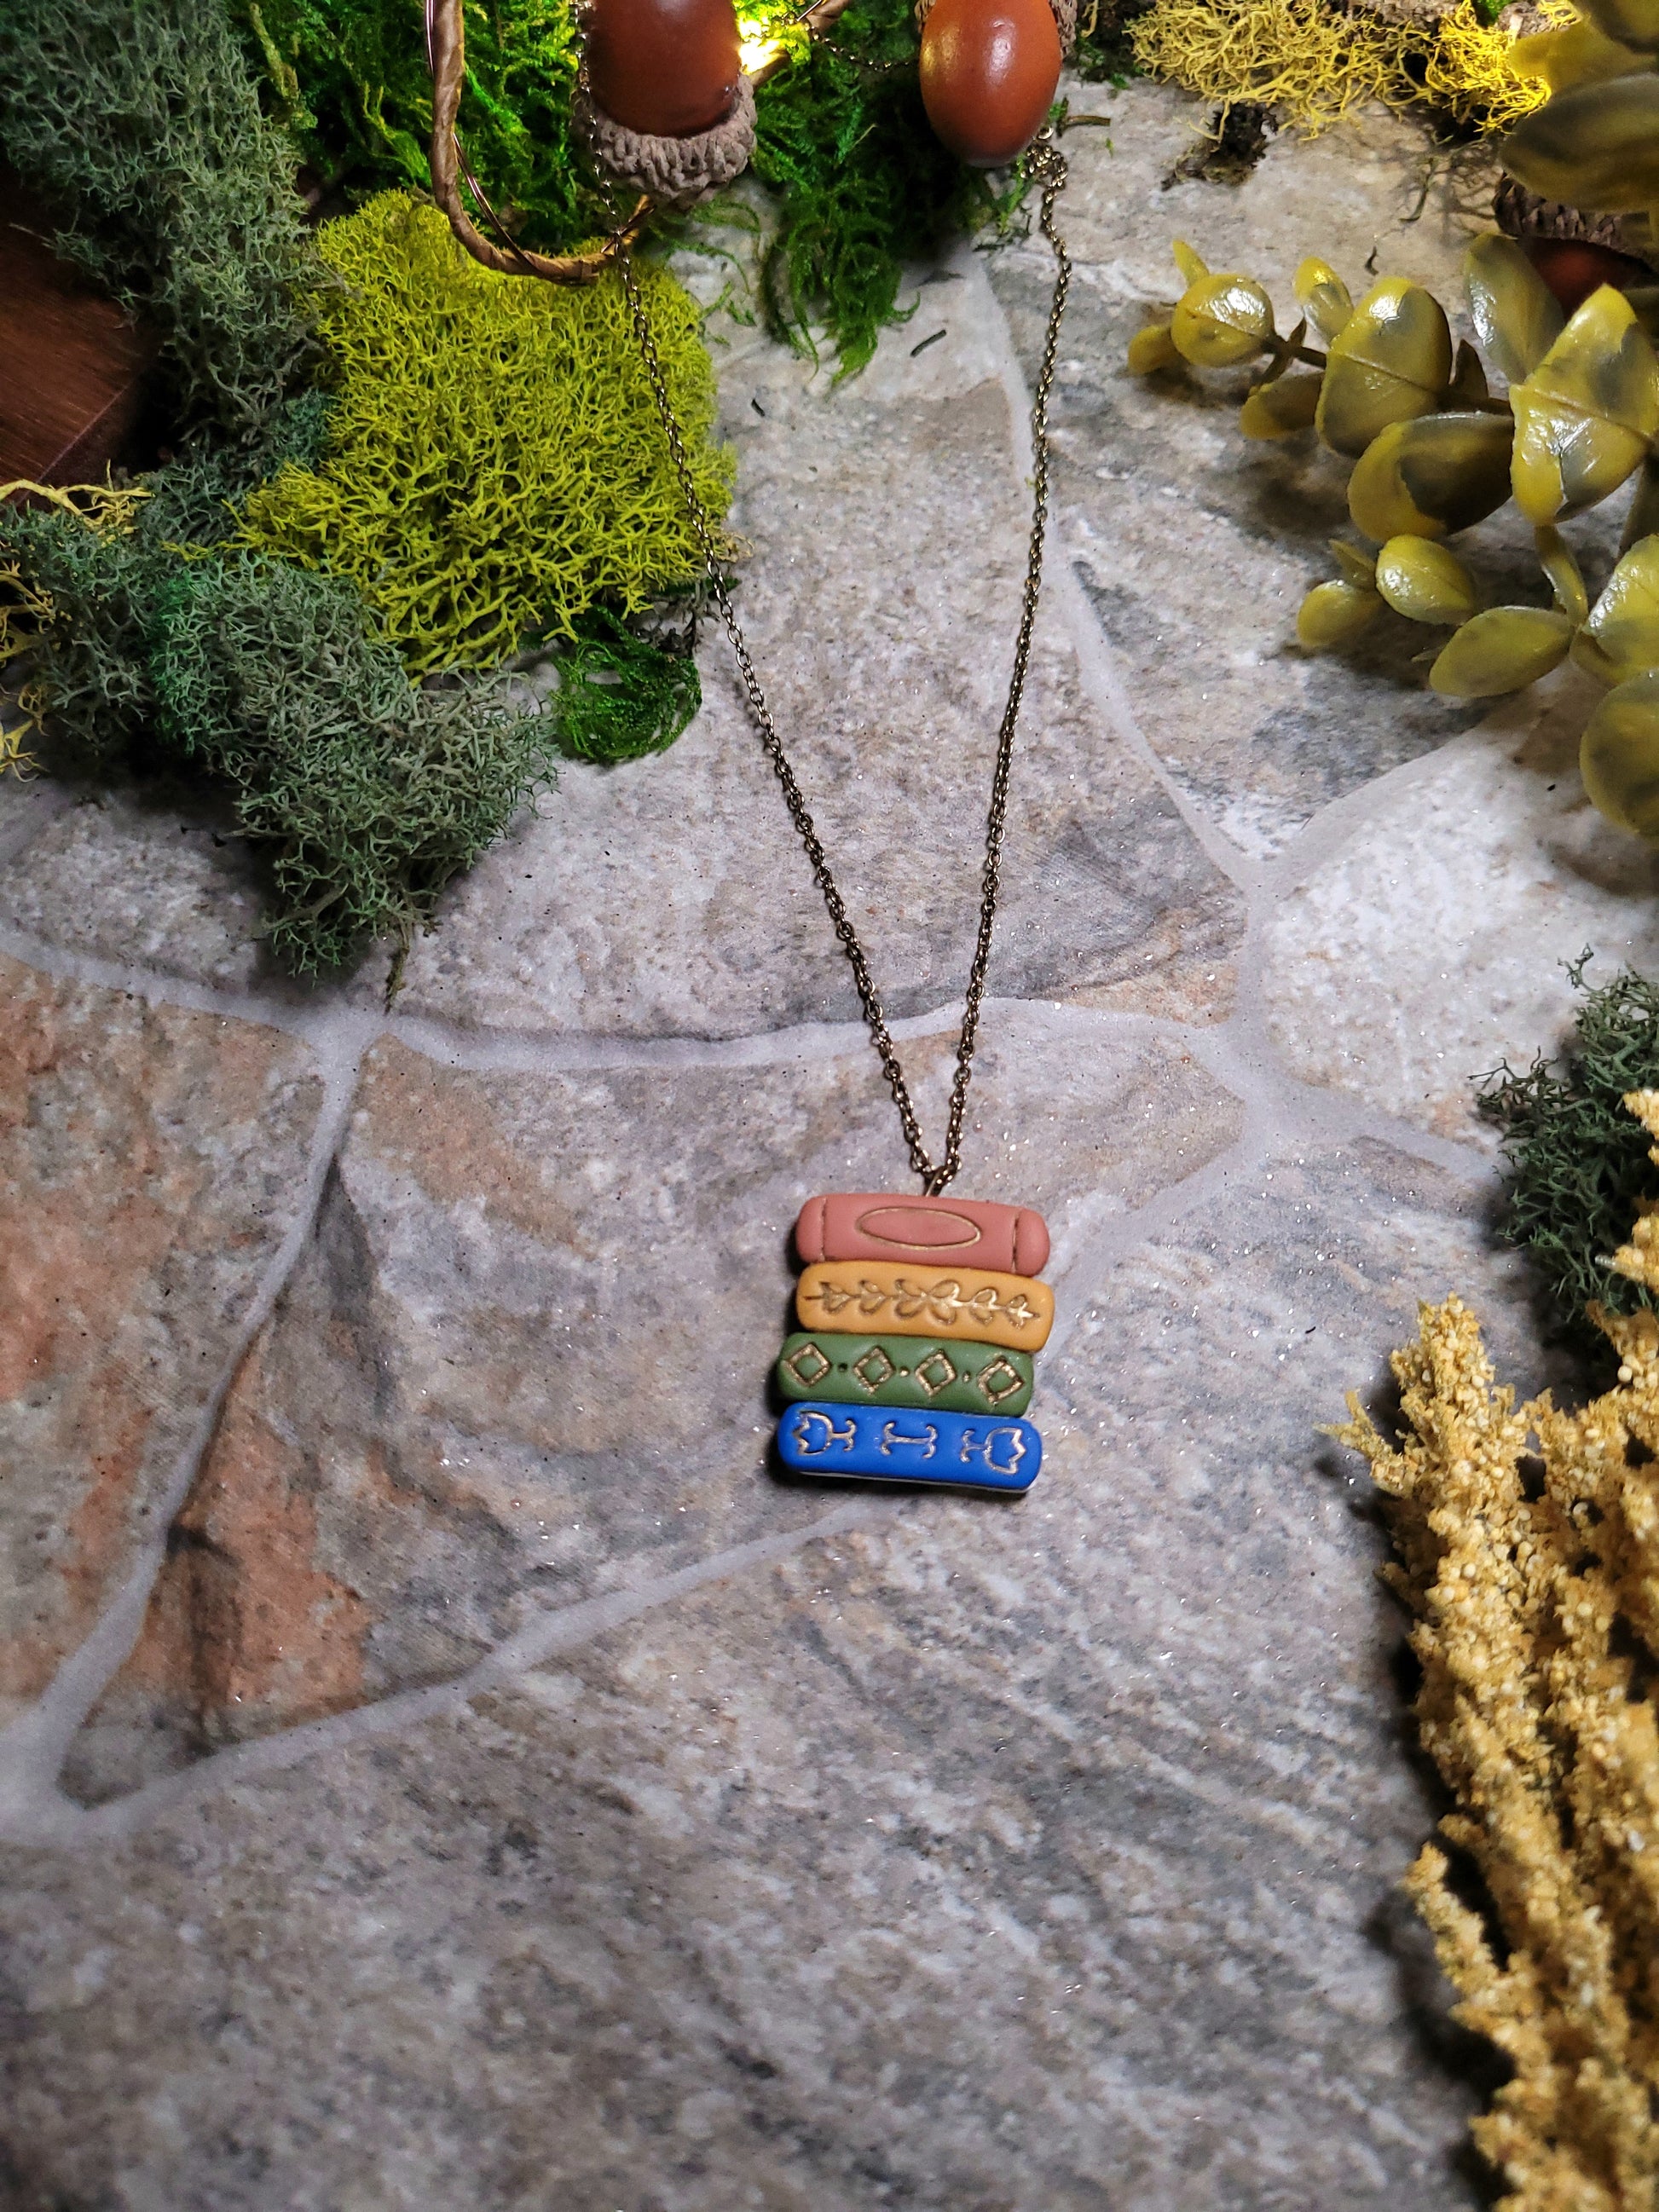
x=504, y=1790
x=1195, y=545
x=438, y=1434
x=154, y=1160
x=1473, y=882
x=968, y=1857
x=660, y=900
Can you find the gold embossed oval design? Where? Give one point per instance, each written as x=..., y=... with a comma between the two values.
x=926, y=1228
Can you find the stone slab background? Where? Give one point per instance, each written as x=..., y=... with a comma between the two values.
x=443, y=1764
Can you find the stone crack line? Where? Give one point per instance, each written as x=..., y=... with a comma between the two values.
x=39, y=1813
x=34, y=1747
x=52, y=1819
x=1236, y=1051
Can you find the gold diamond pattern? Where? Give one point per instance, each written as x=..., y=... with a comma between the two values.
x=937, y=1372
x=873, y=1367
x=999, y=1379
x=807, y=1365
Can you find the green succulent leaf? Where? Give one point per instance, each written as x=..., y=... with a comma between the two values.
x=1515, y=315
x=1323, y=296
x=1391, y=360
x=1504, y=649
x=1358, y=569
x=1620, y=639
x=1152, y=348
x=1221, y=321
x=1334, y=612
x=1425, y=582
x=1280, y=408
x=1575, y=53
x=1468, y=387
x=1584, y=416
x=1644, y=305
x=1631, y=22
x=1619, y=756
x=1595, y=147
x=1431, y=475
x=1642, y=520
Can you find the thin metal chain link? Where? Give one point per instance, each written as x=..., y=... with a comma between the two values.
x=1047, y=167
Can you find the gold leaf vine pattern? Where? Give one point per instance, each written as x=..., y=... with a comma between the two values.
x=946, y=1304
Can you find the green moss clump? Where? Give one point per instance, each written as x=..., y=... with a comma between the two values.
x=495, y=463
x=1104, y=53
x=349, y=79
x=366, y=793
x=865, y=184
x=1578, y=1163
x=141, y=123
x=620, y=696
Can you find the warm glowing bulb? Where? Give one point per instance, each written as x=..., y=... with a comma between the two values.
x=756, y=45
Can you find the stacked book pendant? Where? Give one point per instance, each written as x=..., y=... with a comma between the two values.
x=913, y=1361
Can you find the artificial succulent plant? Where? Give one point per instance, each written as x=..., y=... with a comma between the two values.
x=1434, y=449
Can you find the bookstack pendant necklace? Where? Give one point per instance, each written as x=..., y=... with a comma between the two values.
x=919, y=1314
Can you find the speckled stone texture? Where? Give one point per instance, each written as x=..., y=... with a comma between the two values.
x=152, y=1162
x=447, y=1765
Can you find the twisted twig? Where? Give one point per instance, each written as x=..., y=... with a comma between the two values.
x=446, y=53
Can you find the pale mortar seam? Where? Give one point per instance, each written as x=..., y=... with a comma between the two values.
x=558, y=1630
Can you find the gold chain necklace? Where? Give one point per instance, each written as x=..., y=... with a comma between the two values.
x=928, y=1383
x=922, y=1372
x=1046, y=165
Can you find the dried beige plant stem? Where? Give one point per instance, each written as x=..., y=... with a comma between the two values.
x=1528, y=1543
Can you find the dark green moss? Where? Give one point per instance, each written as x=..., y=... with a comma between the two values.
x=1103, y=54
x=621, y=696
x=864, y=185
x=1578, y=1163
x=139, y=122
x=348, y=78
x=366, y=792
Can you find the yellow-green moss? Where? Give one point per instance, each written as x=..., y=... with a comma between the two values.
x=495, y=463
x=1314, y=63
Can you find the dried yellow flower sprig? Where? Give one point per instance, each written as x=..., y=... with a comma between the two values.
x=1529, y=1554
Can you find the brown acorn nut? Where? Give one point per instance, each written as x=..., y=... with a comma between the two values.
x=667, y=69
x=989, y=70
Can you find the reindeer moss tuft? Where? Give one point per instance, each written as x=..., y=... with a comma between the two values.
x=141, y=126
x=1316, y=63
x=1578, y=1163
x=494, y=464
x=366, y=793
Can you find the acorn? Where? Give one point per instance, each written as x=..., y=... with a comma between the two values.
x=666, y=68
x=1573, y=268
x=989, y=70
